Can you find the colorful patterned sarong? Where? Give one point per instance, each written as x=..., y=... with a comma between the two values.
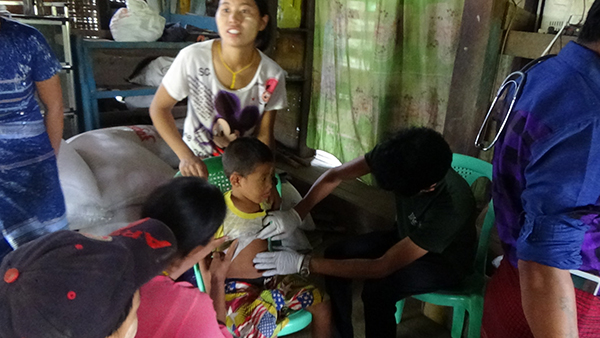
x=261, y=311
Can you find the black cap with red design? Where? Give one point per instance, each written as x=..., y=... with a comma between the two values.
x=68, y=284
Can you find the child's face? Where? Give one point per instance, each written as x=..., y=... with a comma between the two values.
x=257, y=186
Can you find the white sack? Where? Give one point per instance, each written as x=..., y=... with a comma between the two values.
x=80, y=188
x=137, y=22
x=153, y=73
x=107, y=174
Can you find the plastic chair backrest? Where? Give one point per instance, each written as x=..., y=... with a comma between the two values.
x=216, y=175
x=471, y=168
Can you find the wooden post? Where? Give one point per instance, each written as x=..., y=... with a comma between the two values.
x=474, y=72
x=309, y=23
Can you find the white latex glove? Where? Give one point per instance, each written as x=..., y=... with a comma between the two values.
x=278, y=262
x=280, y=224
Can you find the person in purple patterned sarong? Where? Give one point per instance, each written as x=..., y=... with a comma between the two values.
x=31, y=200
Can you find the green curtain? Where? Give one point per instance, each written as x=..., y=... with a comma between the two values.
x=379, y=65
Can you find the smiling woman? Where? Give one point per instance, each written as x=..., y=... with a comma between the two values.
x=233, y=89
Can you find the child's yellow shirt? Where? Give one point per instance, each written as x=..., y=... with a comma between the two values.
x=241, y=225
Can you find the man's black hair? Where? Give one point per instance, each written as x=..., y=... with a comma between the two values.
x=264, y=37
x=244, y=154
x=191, y=207
x=411, y=160
x=590, y=32
x=123, y=316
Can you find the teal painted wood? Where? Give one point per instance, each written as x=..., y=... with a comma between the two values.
x=110, y=44
x=89, y=92
x=205, y=22
x=106, y=94
x=88, y=86
x=85, y=68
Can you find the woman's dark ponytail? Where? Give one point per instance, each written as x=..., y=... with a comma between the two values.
x=263, y=39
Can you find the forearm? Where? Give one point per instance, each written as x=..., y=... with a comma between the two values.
x=267, y=138
x=165, y=125
x=349, y=268
x=548, y=298
x=50, y=93
x=54, y=122
x=266, y=129
x=327, y=183
x=395, y=258
x=322, y=187
x=217, y=294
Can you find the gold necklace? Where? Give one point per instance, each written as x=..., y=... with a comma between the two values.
x=229, y=69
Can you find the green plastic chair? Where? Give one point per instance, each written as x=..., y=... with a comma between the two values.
x=468, y=296
x=297, y=320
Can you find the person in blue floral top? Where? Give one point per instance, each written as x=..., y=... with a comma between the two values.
x=31, y=200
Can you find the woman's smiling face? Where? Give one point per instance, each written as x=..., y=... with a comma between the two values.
x=239, y=22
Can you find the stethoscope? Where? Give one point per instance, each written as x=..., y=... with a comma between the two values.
x=516, y=81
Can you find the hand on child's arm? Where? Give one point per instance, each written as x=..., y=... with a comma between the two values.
x=280, y=224
x=278, y=263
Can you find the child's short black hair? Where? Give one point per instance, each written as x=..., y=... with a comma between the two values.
x=590, y=32
x=193, y=209
x=244, y=154
x=411, y=160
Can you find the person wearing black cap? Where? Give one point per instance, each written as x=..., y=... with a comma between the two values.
x=68, y=284
x=432, y=247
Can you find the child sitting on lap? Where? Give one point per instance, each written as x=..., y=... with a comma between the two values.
x=259, y=306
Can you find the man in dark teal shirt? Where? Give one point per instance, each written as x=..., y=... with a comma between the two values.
x=433, y=246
